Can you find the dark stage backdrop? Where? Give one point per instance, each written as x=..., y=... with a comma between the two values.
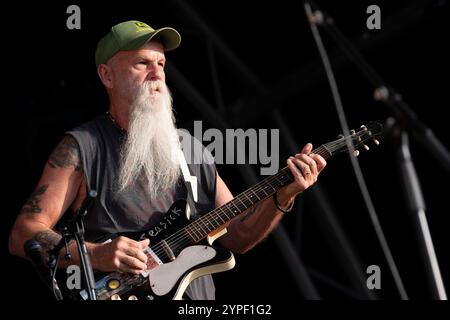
x=52, y=85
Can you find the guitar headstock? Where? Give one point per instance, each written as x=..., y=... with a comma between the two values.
x=371, y=132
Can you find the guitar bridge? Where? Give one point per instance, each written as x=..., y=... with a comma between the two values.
x=152, y=261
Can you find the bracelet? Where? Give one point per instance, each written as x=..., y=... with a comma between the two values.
x=277, y=204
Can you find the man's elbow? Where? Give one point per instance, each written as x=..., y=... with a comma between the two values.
x=13, y=246
x=16, y=241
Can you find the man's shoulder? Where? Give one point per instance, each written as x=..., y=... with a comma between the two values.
x=88, y=133
x=90, y=125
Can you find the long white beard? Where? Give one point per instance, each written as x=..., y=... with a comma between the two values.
x=149, y=153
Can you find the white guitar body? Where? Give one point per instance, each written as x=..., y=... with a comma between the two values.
x=165, y=277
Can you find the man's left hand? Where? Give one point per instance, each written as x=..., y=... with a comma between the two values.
x=305, y=168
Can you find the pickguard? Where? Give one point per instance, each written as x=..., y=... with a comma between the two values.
x=164, y=277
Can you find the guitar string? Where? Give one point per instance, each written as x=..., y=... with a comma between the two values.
x=157, y=249
x=191, y=230
x=180, y=239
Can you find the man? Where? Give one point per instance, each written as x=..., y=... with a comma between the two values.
x=128, y=156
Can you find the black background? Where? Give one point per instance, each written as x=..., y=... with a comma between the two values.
x=52, y=86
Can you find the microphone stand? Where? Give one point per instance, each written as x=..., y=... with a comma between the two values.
x=416, y=206
x=33, y=251
x=406, y=120
x=74, y=229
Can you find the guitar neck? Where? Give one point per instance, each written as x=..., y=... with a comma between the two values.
x=200, y=228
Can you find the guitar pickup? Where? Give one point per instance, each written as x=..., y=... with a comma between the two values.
x=168, y=250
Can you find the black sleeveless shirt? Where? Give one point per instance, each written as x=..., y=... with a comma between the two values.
x=99, y=142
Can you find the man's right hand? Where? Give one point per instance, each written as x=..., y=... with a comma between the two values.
x=122, y=254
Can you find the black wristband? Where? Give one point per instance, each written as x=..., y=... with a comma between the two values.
x=277, y=204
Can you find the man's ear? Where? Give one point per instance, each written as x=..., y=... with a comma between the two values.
x=105, y=73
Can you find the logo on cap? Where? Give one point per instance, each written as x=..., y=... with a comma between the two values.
x=141, y=26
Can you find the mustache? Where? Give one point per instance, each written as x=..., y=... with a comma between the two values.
x=153, y=86
x=136, y=93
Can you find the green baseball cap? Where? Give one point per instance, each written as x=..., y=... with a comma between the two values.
x=132, y=35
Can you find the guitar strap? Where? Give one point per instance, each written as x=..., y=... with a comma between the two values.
x=191, y=186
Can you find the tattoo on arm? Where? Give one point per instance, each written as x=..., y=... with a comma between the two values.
x=47, y=239
x=66, y=154
x=32, y=203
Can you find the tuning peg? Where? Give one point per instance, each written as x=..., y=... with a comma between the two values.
x=340, y=136
x=364, y=127
x=366, y=147
x=352, y=132
x=356, y=153
x=376, y=142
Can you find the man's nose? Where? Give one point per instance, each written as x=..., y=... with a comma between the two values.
x=156, y=73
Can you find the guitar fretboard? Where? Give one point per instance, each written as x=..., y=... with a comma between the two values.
x=200, y=228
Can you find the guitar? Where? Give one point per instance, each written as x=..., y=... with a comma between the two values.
x=181, y=252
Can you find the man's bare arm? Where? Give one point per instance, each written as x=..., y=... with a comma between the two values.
x=251, y=227
x=54, y=193
x=61, y=186
x=66, y=155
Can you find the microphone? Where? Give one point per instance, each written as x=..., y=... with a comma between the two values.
x=33, y=251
